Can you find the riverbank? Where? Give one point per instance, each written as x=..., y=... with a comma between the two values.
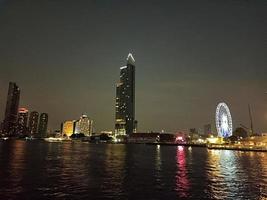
x=218, y=146
x=176, y=144
x=233, y=147
x=238, y=147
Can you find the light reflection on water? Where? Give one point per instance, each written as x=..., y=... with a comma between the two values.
x=40, y=170
x=158, y=161
x=233, y=172
x=221, y=171
x=114, y=169
x=16, y=166
x=182, y=181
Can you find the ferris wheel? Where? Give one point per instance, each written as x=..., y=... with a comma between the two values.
x=223, y=121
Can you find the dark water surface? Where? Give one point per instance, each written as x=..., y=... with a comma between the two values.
x=41, y=170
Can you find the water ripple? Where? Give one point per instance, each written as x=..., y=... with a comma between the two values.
x=39, y=170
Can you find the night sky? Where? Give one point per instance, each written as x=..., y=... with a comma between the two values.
x=190, y=55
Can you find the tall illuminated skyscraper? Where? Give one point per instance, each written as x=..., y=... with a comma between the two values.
x=125, y=99
x=22, y=122
x=42, y=128
x=11, y=113
x=33, y=123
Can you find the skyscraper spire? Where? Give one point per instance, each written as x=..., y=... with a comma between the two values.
x=130, y=59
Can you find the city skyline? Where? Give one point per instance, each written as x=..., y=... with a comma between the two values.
x=18, y=122
x=66, y=56
x=133, y=99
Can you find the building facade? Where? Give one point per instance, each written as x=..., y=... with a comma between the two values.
x=207, y=129
x=22, y=122
x=11, y=112
x=125, y=99
x=42, y=128
x=67, y=128
x=33, y=123
x=84, y=126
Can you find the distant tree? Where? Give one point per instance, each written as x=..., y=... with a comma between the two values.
x=240, y=132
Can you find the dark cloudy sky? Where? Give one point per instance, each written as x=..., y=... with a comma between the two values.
x=190, y=55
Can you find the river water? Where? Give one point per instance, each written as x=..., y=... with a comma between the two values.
x=42, y=170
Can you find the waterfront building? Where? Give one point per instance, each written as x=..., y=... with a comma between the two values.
x=22, y=122
x=33, y=123
x=42, y=128
x=207, y=129
x=144, y=138
x=193, y=131
x=109, y=133
x=1, y=128
x=152, y=138
x=11, y=112
x=84, y=126
x=76, y=127
x=135, y=126
x=193, y=135
x=68, y=128
x=125, y=99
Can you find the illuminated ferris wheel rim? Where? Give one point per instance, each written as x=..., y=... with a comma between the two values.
x=219, y=112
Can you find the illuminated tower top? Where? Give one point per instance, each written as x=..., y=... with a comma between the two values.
x=130, y=59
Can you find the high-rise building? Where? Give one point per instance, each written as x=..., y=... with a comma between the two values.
x=84, y=125
x=42, y=128
x=33, y=123
x=1, y=128
x=11, y=113
x=76, y=127
x=125, y=99
x=22, y=122
x=67, y=128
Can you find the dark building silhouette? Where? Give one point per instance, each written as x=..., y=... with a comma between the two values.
x=22, y=122
x=42, y=128
x=11, y=113
x=1, y=128
x=193, y=131
x=207, y=129
x=135, y=126
x=125, y=99
x=33, y=123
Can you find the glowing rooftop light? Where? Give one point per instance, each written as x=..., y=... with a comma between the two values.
x=23, y=110
x=84, y=116
x=130, y=57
